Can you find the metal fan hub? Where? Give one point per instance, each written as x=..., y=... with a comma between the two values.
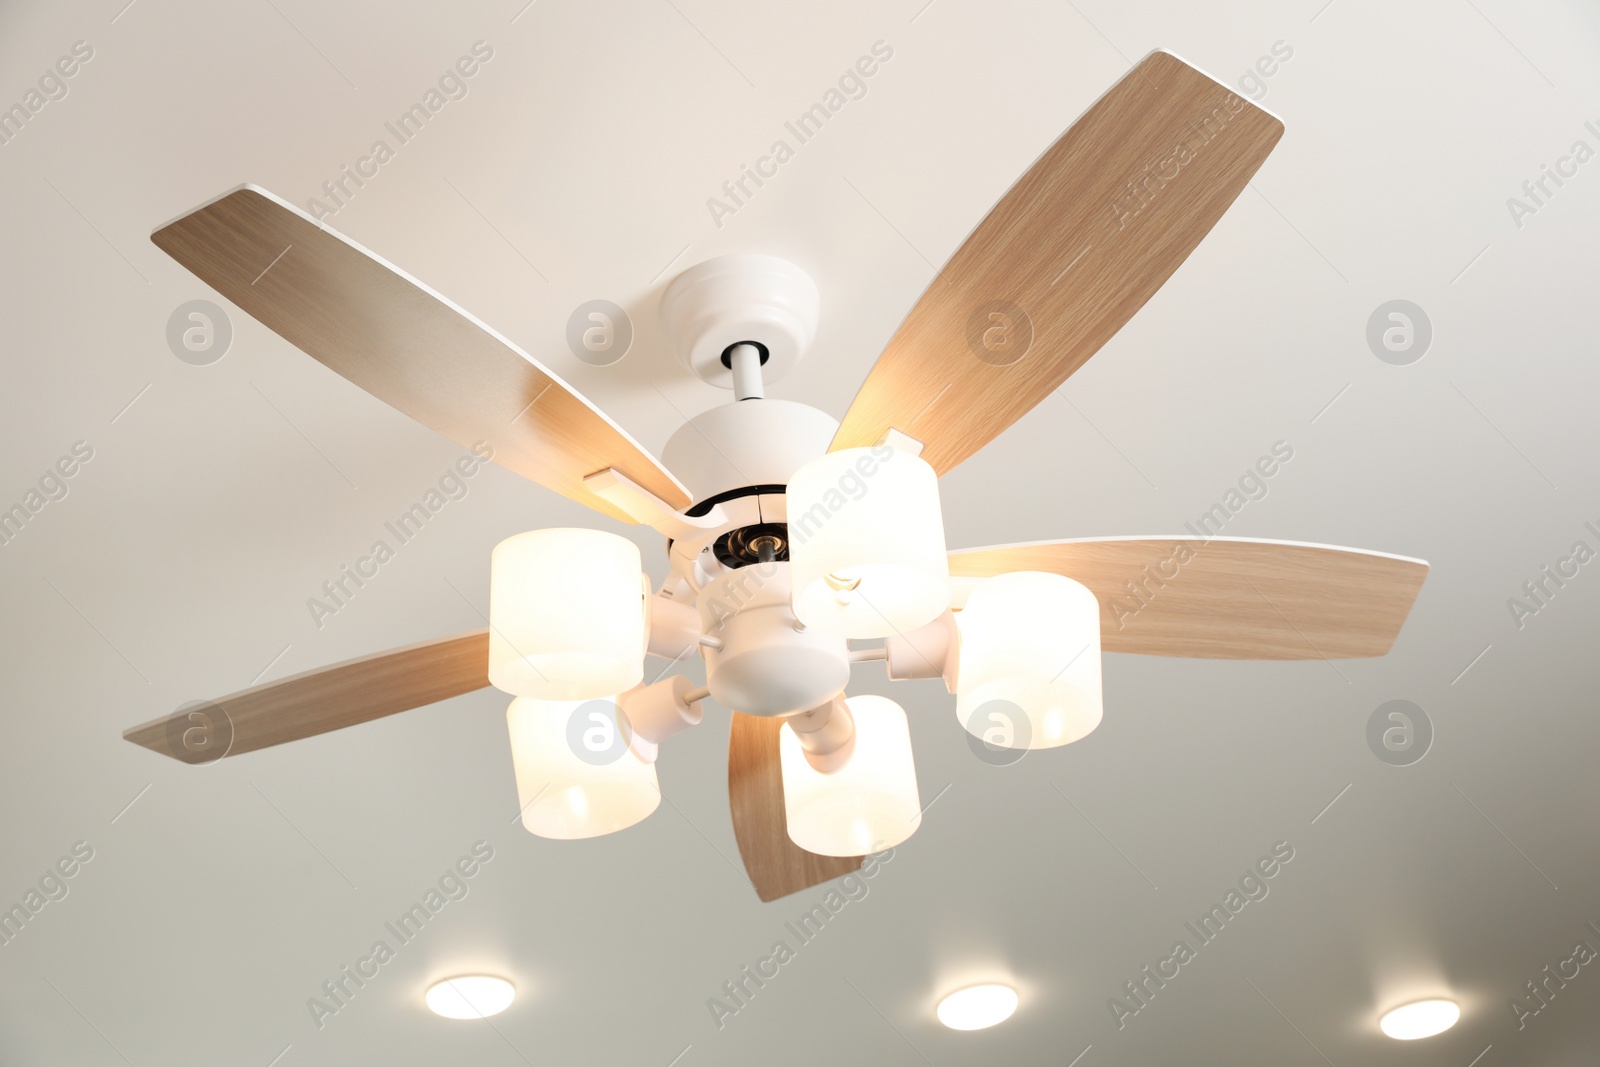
x=762, y=542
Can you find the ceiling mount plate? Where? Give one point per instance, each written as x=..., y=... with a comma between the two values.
x=743, y=298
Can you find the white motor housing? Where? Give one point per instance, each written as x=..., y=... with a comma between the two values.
x=747, y=442
x=766, y=664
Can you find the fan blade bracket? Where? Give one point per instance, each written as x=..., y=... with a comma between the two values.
x=900, y=442
x=647, y=509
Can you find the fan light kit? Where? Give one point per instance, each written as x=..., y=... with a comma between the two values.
x=791, y=539
x=471, y=996
x=864, y=801
x=978, y=1007
x=561, y=795
x=1422, y=1018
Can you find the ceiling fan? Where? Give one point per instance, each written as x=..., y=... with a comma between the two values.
x=792, y=535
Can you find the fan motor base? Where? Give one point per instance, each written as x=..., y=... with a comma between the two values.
x=740, y=299
x=746, y=443
x=767, y=663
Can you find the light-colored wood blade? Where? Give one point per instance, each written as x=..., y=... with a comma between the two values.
x=776, y=865
x=1079, y=243
x=388, y=333
x=1226, y=598
x=329, y=698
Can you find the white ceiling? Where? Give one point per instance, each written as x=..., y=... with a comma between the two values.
x=179, y=564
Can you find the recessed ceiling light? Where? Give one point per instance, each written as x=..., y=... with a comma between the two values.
x=472, y=996
x=1423, y=1018
x=978, y=1006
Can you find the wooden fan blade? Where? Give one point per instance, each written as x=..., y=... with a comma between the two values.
x=410, y=347
x=776, y=865
x=1226, y=598
x=1078, y=244
x=328, y=698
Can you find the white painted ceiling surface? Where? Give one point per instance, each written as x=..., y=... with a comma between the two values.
x=578, y=167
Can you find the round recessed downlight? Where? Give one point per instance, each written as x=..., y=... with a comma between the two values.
x=472, y=996
x=978, y=1006
x=1422, y=1018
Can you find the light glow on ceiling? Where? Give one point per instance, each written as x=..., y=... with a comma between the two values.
x=471, y=996
x=978, y=1006
x=1422, y=1018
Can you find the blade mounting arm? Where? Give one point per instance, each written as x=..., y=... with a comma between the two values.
x=644, y=507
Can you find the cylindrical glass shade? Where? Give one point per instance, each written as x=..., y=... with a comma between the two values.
x=1029, y=672
x=870, y=803
x=866, y=541
x=577, y=775
x=566, y=615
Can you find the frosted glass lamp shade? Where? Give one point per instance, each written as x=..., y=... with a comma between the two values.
x=869, y=804
x=866, y=541
x=566, y=615
x=577, y=775
x=1029, y=668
